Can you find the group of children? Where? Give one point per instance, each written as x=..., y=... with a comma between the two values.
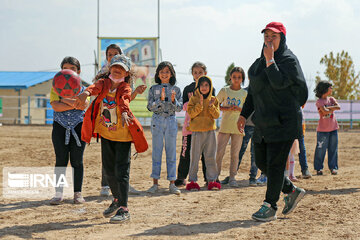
x=109, y=116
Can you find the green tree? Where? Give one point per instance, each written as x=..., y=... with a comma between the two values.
x=340, y=71
x=227, y=76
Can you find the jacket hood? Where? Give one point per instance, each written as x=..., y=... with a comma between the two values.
x=197, y=86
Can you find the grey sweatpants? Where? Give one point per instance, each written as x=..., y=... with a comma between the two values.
x=203, y=142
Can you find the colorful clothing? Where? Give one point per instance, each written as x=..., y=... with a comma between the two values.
x=227, y=98
x=328, y=122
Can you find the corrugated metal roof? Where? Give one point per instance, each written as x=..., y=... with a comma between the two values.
x=25, y=80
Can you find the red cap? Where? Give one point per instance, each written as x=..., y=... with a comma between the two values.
x=277, y=27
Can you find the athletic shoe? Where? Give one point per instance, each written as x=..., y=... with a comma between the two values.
x=226, y=180
x=306, y=174
x=180, y=182
x=233, y=183
x=105, y=191
x=261, y=180
x=293, y=178
x=192, y=186
x=292, y=199
x=57, y=199
x=214, y=186
x=252, y=182
x=334, y=172
x=319, y=172
x=78, y=198
x=120, y=216
x=173, y=189
x=114, y=206
x=265, y=214
x=154, y=188
x=133, y=191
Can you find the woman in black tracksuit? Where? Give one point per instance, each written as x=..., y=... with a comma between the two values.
x=277, y=90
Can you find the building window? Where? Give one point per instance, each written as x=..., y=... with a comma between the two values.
x=40, y=100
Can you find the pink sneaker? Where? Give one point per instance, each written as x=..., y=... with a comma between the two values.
x=293, y=178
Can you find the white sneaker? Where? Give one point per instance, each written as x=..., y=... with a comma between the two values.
x=78, y=198
x=154, y=188
x=173, y=189
x=133, y=191
x=105, y=191
x=233, y=183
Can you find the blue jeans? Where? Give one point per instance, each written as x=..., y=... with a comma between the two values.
x=302, y=154
x=164, y=128
x=326, y=141
x=249, y=131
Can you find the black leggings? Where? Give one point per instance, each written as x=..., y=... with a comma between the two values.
x=62, y=153
x=116, y=163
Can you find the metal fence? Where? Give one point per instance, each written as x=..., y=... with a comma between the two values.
x=37, y=110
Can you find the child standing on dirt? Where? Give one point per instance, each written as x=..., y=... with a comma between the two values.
x=164, y=100
x=111, y=51
x=203, y=109
x=66, y=135
x=231, y=100
x=327, y=129
x=198, y=69
x=290, y=165
x=109, y=116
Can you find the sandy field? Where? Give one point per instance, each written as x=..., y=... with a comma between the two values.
x=329, y=210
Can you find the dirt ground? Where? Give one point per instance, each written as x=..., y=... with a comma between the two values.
x=329, y=210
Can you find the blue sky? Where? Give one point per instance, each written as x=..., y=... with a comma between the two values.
x=36, y=35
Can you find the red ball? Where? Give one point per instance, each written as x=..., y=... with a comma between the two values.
x=67, y=83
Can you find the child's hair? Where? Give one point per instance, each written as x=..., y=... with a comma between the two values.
x=72, y=61
x=113, y=46
x=161, y=66
x=198, y=64
x=240, y=70
x=321, y=88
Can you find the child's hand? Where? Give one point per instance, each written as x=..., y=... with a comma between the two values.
x=201, y=99
x=162, y=94
x=125, y=118
x=140, y=89
x=173, y=94
x=80, y=99
x=236, y=108
x=241, y=124
x=190, y=94
x=211, y=102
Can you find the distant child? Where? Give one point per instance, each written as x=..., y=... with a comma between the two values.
x=302, y=154
x=66, y=135
x=111, y=51
x=203, y=109
x=231, y=99
x=327, y=134
x=198, y=69
x=109, y=116
x=164, y=100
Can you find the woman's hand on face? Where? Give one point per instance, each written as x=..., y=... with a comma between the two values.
x=269, y=51
x=241, y=124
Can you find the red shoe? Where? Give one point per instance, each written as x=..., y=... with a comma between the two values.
x=214, y=186
x=192, y=186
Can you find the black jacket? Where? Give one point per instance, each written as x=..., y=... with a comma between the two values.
x=190, y=89
x=276, y=94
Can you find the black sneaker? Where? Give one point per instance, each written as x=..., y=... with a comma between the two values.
x=306, y=174
x=114, y=206
x=265, y=214
x=226, y=180
x=120, y=216
x=292, y=199
x=252, y=182
x=180, y=182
